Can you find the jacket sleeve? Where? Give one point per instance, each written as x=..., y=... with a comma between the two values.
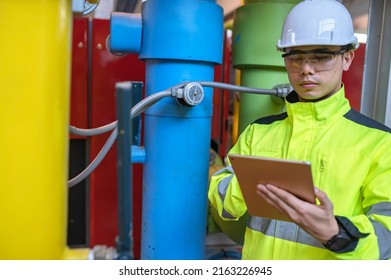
x=224, y=191
x=372, y=229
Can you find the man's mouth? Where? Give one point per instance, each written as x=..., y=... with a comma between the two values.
x=308, y=84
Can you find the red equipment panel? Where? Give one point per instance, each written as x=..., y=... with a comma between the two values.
x=79, y=78
x=353, y=78
x=221, y=102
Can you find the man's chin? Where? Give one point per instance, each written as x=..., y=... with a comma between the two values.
x=310, y=96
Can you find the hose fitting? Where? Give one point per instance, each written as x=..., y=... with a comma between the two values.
x=191, y=94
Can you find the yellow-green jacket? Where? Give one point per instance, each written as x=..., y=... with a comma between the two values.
x=351, y=161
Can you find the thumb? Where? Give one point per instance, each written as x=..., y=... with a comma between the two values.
x=323, y=198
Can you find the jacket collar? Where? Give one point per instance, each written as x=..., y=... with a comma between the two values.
x=328, y=109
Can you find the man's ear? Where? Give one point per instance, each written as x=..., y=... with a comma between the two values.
x=347, y=60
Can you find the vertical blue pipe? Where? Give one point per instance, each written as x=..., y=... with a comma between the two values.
x=179, y=40
x=182, y=41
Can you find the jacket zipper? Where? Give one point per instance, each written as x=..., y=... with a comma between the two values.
x=323, y=164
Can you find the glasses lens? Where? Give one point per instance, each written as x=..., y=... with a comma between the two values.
x=318, y=61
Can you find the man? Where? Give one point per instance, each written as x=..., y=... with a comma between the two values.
x=349, y=153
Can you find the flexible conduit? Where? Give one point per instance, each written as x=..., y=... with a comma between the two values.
x=144, y=104
x=136, y=110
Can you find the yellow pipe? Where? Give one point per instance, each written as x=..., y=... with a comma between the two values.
x=35, y=60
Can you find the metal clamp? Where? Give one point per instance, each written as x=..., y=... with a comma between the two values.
x=283, y=89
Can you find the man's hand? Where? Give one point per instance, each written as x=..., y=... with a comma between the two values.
x=317, y=220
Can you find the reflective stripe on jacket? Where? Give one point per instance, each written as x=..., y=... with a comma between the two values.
x=350, y=156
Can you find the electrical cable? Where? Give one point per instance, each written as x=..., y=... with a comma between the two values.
x=239, y=88
x=92, y=131
x=280, y=91
x=144, y=104
x=148, y=101
x=97, y=160
x=135, y=111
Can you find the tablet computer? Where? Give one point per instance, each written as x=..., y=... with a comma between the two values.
x=290, y=175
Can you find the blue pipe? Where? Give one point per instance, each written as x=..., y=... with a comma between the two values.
x=181, y=42
x=177, y=143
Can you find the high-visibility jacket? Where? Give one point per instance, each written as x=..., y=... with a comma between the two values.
x=350, y=156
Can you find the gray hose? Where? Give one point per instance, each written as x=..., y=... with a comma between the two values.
x=136, y=110
x=92, y=131
x=148, y=102
x=145, y=104
x=239, y=88
x=280, y=91
x=97, y=160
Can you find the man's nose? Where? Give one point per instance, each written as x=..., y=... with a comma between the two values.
x=307, y=67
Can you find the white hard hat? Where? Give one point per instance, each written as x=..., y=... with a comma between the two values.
x=318, y=22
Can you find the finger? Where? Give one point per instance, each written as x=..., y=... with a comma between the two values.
x=272, y=196
x=283, y=195
x=263, y=192
x=294, y=207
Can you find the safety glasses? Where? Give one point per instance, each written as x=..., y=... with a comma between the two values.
x=319, y=60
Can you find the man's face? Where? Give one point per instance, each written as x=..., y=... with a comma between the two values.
x=315, y=72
